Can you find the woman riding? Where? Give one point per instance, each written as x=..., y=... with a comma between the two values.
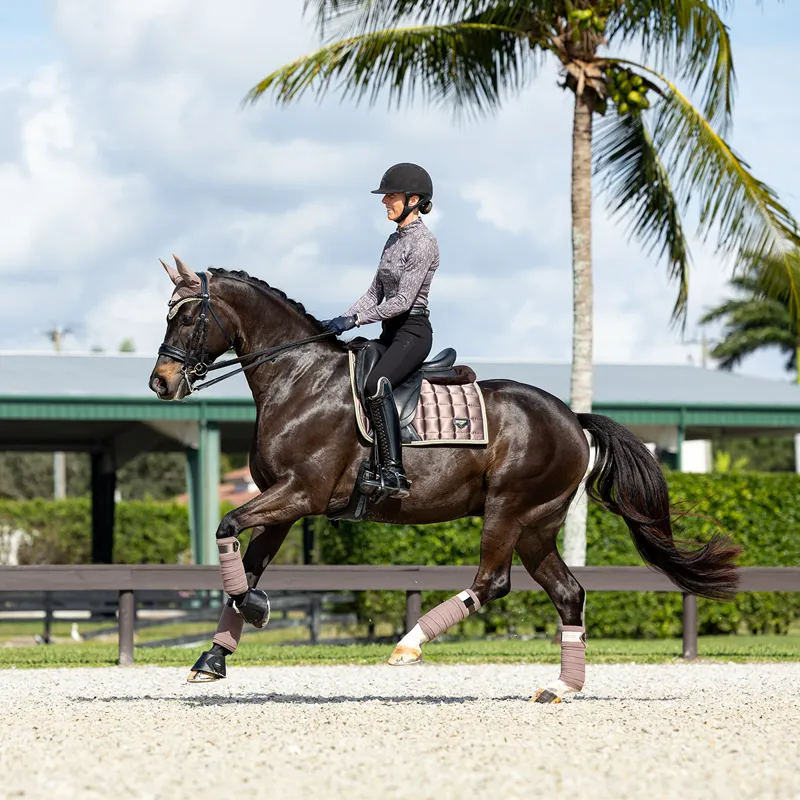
x=398, y=298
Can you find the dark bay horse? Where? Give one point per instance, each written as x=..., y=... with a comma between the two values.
x=306, y=451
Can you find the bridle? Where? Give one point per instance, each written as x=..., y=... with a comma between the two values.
x=195, y=359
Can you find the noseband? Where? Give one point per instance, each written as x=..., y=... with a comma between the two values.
x=195, y=359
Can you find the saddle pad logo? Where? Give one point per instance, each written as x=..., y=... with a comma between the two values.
x=461, y=423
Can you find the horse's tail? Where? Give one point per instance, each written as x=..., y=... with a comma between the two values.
x=628, y=481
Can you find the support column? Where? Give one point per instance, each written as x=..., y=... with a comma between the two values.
x=195, y=489
x=797, y=453
x=679, y=453
x=208, y=454
x=104, y=484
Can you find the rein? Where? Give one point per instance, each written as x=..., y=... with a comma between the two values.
x=200, y=368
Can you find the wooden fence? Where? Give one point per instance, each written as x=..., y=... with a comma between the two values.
x=129, y=579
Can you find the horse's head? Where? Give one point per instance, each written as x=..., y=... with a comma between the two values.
x=197, y=334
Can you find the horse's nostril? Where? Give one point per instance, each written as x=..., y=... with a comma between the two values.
x=158, y=385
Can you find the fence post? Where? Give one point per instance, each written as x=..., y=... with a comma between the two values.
x=48, y=617
x=689, y=626
x=315, y=617
x=127, y=613
x=413, y=609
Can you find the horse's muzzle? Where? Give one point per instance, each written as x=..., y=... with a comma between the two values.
x=159, y=385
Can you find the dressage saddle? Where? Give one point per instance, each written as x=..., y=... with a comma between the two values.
x=406, y=396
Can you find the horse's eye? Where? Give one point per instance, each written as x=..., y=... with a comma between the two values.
x=186, y=319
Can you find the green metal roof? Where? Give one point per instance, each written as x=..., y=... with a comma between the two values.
x=51, y=388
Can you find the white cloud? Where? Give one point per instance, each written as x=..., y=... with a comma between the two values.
x=59, y=204
x=132, y=145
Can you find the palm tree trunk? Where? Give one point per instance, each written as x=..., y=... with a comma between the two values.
x=797, y=363
x=582, y=327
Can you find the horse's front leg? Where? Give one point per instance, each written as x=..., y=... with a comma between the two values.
x=275, y=511
x=264, y=545
x=281, y=504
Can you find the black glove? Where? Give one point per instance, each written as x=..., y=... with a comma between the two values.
x=339, y=325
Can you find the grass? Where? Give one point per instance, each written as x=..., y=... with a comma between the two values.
x=743, y=649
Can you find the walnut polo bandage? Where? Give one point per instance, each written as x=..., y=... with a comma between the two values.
x=229, y=629
x=447, y=614
x=234, y=581
x=573, y=656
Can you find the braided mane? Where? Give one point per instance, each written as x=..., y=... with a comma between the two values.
x=264, y=286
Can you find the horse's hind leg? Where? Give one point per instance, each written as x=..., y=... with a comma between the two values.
x=264, y=544
x=492, y=581
x=538, y=553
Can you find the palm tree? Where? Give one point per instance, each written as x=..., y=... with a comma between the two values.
x=755, y=321
x=653, y=163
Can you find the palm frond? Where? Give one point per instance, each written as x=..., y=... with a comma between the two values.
x=748, y=313
x=363, y=16
x=758, y=314
x=739, y=344
x=777, y=273
x=636, y=182
x=749, y=220
x=686, y=38
x=467, y=65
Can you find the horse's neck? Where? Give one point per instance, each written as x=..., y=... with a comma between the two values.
x=266, y=321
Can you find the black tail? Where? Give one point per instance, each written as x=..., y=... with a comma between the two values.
x=628, y=481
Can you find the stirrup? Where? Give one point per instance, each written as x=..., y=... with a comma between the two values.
x=398, y=485
x=379, y=486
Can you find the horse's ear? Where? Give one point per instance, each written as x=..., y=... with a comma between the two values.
x=189, y=276
x=174, y=275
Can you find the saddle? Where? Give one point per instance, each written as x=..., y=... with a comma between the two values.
x=439, y=370
x=439, y=404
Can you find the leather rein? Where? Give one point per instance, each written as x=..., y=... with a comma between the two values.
x=197, y=366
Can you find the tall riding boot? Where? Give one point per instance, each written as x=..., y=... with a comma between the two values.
x=386, y=428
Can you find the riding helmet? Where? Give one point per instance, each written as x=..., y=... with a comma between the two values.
x=407, y=179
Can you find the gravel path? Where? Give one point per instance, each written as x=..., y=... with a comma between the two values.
x=668, y=731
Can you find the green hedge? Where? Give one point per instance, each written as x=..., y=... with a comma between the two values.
x=145, y=532
x=761, y=512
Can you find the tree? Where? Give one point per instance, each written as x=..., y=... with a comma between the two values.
x=761, y=453
x=127, y=346
x=653, y=163
x=755, y=321
x=725, y=462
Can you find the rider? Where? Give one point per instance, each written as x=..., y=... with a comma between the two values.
x=398, y=298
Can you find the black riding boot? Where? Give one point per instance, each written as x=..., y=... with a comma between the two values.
x=386, y=428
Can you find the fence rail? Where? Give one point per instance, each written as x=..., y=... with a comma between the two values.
x=411, y=579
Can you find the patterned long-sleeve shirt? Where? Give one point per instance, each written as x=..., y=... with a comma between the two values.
x=404, y=276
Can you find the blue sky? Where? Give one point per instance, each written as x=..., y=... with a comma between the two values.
x=124, y=140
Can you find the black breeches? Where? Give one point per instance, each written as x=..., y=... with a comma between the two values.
x=408, y=340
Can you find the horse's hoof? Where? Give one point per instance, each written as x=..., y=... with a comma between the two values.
x=196, y=676
x=209, y=667
x=254, y=608
x=404, y=656
x=545, y=696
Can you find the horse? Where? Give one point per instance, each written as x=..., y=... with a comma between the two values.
x=306, y=451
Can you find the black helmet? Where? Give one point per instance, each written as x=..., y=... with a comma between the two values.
x=406, y=179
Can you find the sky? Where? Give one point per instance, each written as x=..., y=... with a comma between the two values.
x=124, y=140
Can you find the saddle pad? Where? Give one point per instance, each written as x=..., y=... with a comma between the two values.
x=445, y=414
